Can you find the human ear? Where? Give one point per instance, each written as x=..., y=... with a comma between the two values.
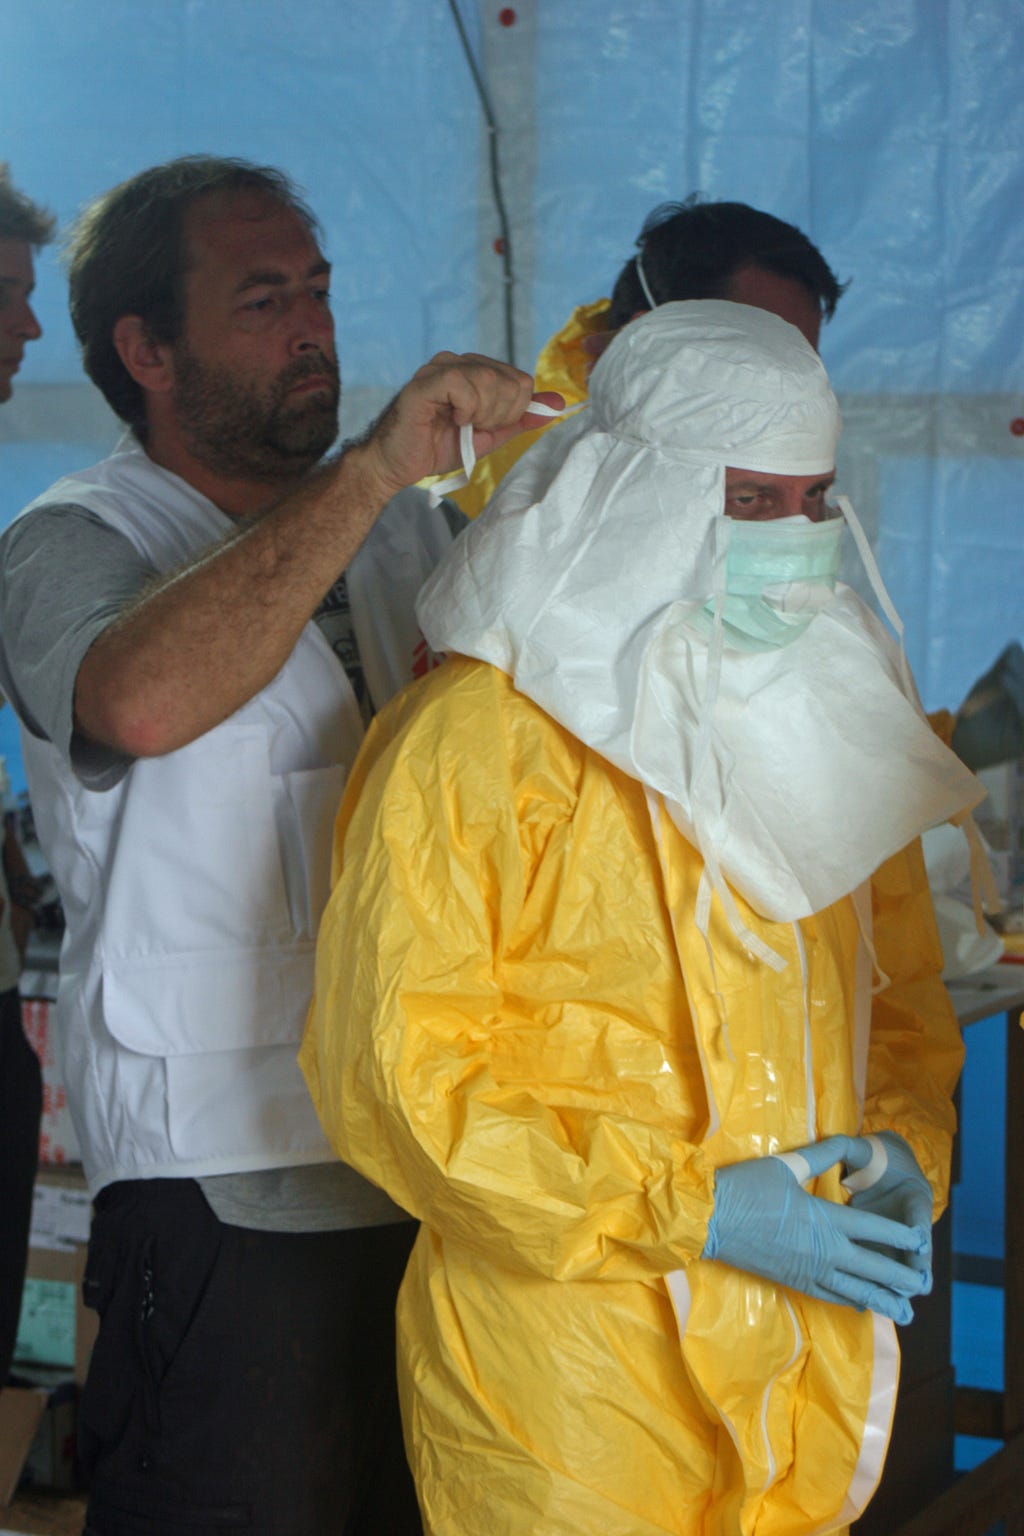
x=595, y=344
x=149, y=362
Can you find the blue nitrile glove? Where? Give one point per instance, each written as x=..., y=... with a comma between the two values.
x=884, y=1177
x=764, y=1222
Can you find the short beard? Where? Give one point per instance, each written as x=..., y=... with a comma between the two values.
x=234, y=429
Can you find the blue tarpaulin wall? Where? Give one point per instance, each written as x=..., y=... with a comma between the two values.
x=891, y=131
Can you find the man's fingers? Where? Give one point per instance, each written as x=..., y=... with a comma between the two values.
x=474, y=357
x=478, y=390
x=485, y=440
x=917, y=1207
x=848, y=1290
x=859, y=1153
x=418, y=435
x=816, y=1158
x=549, y=397
x=879, y=1269
x=866, y=1227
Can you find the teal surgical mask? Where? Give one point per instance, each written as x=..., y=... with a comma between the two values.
x=778, y=575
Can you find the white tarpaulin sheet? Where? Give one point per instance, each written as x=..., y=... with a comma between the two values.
x=892, y=131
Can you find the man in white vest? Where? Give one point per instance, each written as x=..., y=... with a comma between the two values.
x=24, y=227
x=195, y=633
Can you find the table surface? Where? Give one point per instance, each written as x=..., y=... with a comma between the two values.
x=998, y=989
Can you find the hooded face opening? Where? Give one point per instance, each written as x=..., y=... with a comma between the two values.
x=761, y=497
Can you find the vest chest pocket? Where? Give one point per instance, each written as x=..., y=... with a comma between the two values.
x=217, y=877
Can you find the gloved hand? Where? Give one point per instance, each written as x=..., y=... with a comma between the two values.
x=764, y=1222
x=885, y=1178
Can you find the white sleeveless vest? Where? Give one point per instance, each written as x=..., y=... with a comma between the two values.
x=193, y=889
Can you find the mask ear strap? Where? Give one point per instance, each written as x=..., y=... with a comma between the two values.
x=461, y=478
x=878, y=586
x=879, y=979
x=984, y=891
x=712, y=880
x=644, y=284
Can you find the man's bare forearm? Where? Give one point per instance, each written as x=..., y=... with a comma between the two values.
x=195, y=647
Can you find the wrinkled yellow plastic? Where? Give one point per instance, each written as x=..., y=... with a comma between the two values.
x=562, y=365
x=510, y=1009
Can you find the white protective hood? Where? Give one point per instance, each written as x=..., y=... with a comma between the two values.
x=796, y=771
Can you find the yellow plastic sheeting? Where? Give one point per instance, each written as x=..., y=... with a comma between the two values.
x=507, y=1034
x=562, y=365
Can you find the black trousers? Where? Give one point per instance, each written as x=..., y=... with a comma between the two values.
x=242, y=1380
x=21, y=1104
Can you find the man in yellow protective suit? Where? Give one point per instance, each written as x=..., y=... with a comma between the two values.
x=629, y=985
x=700, y=249
x=691, y=250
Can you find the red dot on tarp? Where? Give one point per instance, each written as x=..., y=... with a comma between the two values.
x=1017, y=426
x=499, y=247
x=507, y=16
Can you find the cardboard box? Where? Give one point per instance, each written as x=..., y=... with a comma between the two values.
x=55, y=1328
x=52, y=1461
x=58, y=1143
x=21, y=1413
x=61, y=1209
x=38, y=1432
x=56, y=1332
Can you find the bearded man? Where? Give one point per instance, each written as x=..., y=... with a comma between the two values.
x=653, y=1039
x=195, y=632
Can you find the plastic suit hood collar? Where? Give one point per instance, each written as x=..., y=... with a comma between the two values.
x=795, y=772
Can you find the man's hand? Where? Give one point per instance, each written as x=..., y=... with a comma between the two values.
x=418, y=434
x=766, y=1223
x=198, y=645
x=883, y=1176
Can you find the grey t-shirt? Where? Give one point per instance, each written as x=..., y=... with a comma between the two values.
x=64, y=576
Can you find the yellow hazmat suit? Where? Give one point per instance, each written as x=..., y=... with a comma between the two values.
x=511, y=1034
x=562, y=365
x=535, y=1026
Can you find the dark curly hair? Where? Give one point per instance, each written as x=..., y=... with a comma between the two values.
x=126, y=255
x=692, y=250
